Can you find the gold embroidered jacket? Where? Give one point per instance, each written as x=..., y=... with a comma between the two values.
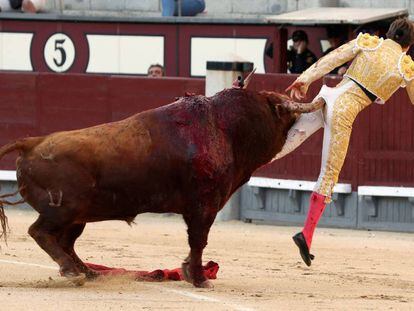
x=379, y=65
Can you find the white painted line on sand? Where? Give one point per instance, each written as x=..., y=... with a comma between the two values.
x=28, y=264
x=193, y=296
x=199, y=297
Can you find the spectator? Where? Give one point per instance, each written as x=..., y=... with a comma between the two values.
x=335, y=40
x=28, y=6
x=299, y=56
x=156, y=71
x=188, y=7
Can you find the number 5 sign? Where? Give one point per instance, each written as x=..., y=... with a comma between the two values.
x=59, y=52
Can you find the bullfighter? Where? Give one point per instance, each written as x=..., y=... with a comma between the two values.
x=378, y=69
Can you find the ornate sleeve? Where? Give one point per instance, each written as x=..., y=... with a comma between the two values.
x=329, y=62
x=406, y=68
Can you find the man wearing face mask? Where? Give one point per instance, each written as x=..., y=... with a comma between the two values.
x=299, y=57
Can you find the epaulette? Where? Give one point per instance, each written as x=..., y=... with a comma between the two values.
x=367, y=42
x=406, y=67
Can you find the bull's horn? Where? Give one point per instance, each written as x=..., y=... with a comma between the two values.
x=248, y=78
x=303, y=107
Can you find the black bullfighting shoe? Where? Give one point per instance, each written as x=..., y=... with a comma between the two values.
x=300, y=241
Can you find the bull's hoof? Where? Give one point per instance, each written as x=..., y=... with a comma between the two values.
x=205, y=284
x=78, y=280
x=91, y=275
x=185, y=268
x=67, y=281
x=73, y=276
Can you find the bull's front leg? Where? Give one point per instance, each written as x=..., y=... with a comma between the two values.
x=67, y=241
x=198, y=229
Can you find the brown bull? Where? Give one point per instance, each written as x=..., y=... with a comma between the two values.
x=187, y=158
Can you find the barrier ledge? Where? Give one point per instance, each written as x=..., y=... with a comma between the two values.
x=382, y=191
x=7, y=175
x=291, y=184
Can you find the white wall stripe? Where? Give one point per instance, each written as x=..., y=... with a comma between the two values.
x=124, y=54
x=293, y=184
x=7, y=175
x=15, y=51
x=226, y=49
x=386, y=191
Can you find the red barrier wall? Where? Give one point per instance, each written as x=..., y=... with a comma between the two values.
x=33, y=104
x=381, y=150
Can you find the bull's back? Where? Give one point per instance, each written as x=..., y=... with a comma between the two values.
x=154, y=161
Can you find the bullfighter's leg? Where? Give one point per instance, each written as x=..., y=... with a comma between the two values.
x=67, y=242
x=45, y=232
x=340, y=113
x=198, y=229
x=309, y=123
x=304, y=127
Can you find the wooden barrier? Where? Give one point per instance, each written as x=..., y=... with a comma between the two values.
x=382, y=143
x=35, y=104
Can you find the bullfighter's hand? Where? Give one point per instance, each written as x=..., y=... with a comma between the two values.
x=297, y=90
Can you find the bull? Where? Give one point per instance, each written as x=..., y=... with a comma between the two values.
x=188, y=158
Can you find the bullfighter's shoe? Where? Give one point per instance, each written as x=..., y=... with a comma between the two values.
x=303, y=239
x=300, y=242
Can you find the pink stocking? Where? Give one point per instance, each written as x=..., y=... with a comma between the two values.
x=316, y=207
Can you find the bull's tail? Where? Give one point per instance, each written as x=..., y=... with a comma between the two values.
x=3, y=218
x=22, y=145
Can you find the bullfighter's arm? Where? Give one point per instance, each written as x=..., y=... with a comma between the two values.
x=326, y=64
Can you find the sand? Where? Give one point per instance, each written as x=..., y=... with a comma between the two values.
x=260, y=269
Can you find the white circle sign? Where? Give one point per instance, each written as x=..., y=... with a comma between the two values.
x=59, y=52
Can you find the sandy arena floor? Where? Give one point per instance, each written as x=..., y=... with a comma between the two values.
x=260, y=269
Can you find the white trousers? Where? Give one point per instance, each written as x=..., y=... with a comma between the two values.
x=343, y=103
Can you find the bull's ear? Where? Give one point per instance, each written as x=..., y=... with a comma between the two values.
x=248, y=78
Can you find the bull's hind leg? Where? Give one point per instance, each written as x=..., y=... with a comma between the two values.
x=198, y=229
x=45, y=231
x=67, y=242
